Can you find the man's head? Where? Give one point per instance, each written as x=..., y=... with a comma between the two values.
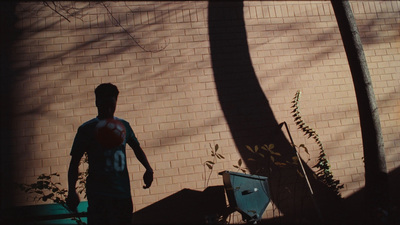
x=106, y=99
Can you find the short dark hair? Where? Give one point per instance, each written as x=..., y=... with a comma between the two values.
x=105, y=90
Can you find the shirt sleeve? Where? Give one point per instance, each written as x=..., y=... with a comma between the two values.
x=80, y=143
x=130, y=136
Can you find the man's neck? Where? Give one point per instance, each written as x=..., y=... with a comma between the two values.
x=102, y=117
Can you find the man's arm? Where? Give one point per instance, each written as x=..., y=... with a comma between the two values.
x=72, y=200
x=141, y=156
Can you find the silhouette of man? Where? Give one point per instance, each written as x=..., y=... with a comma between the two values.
x=108, y=186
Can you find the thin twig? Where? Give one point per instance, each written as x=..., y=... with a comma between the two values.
x=55, y=9
x=117, y=23
x=61, y=9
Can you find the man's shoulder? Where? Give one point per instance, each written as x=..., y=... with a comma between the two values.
x=126, y=123
x=128, y=128
x=89, y=123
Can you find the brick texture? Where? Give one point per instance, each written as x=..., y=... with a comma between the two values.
x=158, y=54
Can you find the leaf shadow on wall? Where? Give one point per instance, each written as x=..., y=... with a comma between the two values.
x=252, y=121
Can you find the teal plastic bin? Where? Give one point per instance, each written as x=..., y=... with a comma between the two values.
x=248, y=194
x=54, y=214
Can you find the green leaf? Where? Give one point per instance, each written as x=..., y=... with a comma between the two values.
x=249, y=148
x=275, y=153
x=256, y=148
x=280, y=164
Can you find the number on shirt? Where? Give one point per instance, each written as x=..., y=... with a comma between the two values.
x=115, y=162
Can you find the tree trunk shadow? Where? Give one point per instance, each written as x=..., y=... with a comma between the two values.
x=251, y=119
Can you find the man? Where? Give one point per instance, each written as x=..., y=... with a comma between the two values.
x=108, y=185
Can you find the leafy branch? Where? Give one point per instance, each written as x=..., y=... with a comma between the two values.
x=45, y=189
x=210, y=164
x=267, y=151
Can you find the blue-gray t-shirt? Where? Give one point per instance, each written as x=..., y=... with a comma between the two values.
x=108, y=173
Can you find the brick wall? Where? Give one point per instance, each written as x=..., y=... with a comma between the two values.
x=158, y=54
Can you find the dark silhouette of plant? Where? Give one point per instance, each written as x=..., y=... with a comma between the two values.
x=323, y=173
x=274, y=161
x=45, y=189
x=267, y=152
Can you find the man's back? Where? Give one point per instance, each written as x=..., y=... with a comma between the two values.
x=108, y=174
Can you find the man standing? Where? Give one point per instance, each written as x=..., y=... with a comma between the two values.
x=107, y=186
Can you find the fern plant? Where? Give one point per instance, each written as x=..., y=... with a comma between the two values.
x=324, y=173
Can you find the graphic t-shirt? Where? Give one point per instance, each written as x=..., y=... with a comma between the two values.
x=108, y=173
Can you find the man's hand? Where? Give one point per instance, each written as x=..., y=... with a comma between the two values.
x=72, y=201
x=148, y=178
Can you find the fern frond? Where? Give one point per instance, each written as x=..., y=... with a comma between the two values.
x=323, y=173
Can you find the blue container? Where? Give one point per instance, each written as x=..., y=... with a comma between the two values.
x=248, y=194
x=54, y=214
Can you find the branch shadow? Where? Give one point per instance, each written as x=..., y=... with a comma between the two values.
x=252, y=121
